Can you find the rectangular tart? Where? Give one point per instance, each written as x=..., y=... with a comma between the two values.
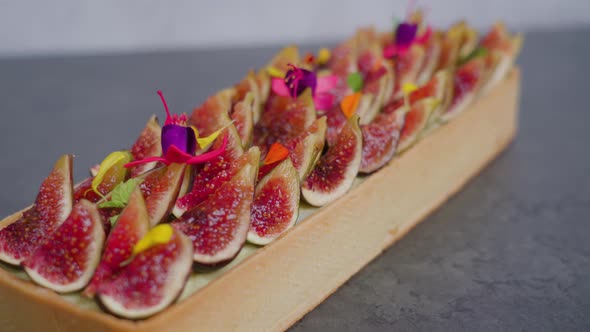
x=270, y=288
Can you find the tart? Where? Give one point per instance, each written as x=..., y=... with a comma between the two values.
x=192, y=198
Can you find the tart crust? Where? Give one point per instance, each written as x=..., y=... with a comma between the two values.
x=278, y=284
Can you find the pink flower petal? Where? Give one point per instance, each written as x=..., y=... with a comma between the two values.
x=326, y=83
x=209, y=155
x=323, y=101
x=280, y=88
x=425, y=36
x=392, y=50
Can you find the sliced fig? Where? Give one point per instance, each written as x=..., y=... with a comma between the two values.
x=287, y=55
x=415, y=122
x=218, y=227
x=148, y=144
x=335, y=121
x=305, y=149
x=114, y=175
x=439, y=87
x=249, y=85
x=432, y=50
x=283, y=119
x=52, y=206
x=67, y=258
x=263, y=82
x=151, y=281
x=160, y=189
x=502, y=52
x=213, y=114
x=377, y=88
x=380, y=139
x=210, y=175
x=466, y=82
x=242, y=115
x=335, y=172
x=407, y=67
x=132, y=224
x=276, y=204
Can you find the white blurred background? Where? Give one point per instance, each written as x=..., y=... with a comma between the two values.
x=106, y=26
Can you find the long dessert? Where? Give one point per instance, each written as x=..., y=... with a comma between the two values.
x=188, y=195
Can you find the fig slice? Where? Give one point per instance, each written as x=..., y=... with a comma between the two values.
x=249, y=85
x=416, y=121
x=151, y=281
x=160, y=189
x=283, y=119
x=432, y=51
x=407, y=68
x=66, y=259
x=466, y=82
x=305, y=149
x=132, y=224
x=218, y=226
x=335, y=172
x=376, y=90
x=380, y=139
x=287, y=55
x=210, y=175
x=52, y=206
x=213, y=113
x=148, y=144
x=242, y=115
x=111, y=178
x=276, y=204
x=502, y=52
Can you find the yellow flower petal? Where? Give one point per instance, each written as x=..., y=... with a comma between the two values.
x=408, y=88
x=195, y=130
x=275, y=72
x=205, y=142
x=324, y=55
x=161, y=234
x=108, y=162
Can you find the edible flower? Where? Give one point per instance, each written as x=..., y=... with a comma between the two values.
x=297, y=79
x=161, y=234
x=407, y=89
x=276, y=153
x=405, y=38
x=179, y=142
x=113, y=159
x=324, y=55
x=350, y=103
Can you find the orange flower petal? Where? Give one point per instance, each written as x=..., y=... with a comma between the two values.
x=350, y=103
x=277, y=152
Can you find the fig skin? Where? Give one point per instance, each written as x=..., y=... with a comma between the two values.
x=57, y=254
x=52, y=206
x=127, y=295
x=336, y=170
x=218, y=226
x=276, y=204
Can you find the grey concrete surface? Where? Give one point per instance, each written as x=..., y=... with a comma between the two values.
x=508, y=253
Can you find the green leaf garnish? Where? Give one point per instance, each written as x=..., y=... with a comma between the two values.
x=355, y=81
x=120, y=195
x=113, y=220
x=476, y=53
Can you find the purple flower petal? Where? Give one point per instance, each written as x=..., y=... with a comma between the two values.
x=298, y=79
x=405, y=34
x=181, y=137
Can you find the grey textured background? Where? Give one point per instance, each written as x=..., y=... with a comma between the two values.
x=508, y=253
x=89, y=26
